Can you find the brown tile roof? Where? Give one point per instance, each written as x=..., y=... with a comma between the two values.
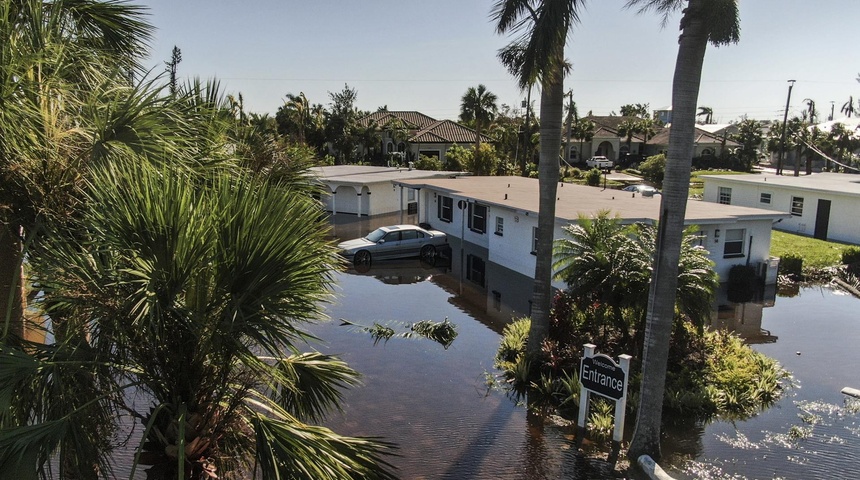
x=446, y=131
x=700, y=137
x=413, y=120
x=607, y=126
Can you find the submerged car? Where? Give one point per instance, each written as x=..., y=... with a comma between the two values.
x=395, y=241
x=644, y=190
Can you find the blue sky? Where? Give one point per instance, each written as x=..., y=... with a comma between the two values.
x=412, y=55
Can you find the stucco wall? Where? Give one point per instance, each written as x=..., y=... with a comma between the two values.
x=843, y=225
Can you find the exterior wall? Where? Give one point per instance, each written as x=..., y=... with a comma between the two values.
x=513, y=247
x=842, y=227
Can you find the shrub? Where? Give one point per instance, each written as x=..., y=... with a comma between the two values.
x=850, y=255
x=575, y=173
x=428, y=163
x=592, y=177
x=791, y=264
x=653, y=169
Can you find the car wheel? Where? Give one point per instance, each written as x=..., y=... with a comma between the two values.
x=428, y=251
x=362, y=257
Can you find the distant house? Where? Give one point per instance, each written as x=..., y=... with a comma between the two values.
x=822, y=205
x=498, y=215
x=606, y=140
x=704, y=142
x=421, y=134
x=368, y=191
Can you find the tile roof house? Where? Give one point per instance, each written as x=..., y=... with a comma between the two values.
x=606, y=141
x=705, y=142
x=424, y=134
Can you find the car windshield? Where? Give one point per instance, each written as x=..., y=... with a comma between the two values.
x=375, y=235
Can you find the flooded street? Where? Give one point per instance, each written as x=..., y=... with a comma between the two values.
x=437, y=406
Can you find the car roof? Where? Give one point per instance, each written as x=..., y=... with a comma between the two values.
x=394, y=228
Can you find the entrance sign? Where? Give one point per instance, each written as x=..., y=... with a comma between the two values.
x=598, y=373
x=602, y=375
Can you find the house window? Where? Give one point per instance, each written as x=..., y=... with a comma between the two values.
x=410, y=194
x=446, y=208
x=797, y=206
x=707, y=151
x=475, y=269
x=534, y=240
x=765, y=198
x=725, y=195
x=500, y=226
x=733, y=246
x=477, y=218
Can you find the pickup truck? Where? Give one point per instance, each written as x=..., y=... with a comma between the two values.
x=602, y=163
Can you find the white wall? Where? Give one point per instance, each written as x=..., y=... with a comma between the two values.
x=843, y=225
x=513, y=248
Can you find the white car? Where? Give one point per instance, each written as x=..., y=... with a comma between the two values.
x=395, y=241
x=602, y=163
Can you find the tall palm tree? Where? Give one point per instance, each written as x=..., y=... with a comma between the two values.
x=702, y=22
x=648, y=128
x=56, y=58
x=478, y=106
x=191, y=293
x=627, y=129
x=537, y=56
x=706, y=112
x=848, y=107
x=583, y=129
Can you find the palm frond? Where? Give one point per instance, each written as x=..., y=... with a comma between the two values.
x=288, y=449
x=312, y=384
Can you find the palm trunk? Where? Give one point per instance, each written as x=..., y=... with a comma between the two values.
x=676, y=185
x=551, y=107
x=11, y=281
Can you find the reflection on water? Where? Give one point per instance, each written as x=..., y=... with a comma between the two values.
x=435, y=404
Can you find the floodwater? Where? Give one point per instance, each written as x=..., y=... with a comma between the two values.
x=436, y=404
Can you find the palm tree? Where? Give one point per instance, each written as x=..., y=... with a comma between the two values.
x=297, y=110
x=627, y=129
x=702, y=22
x=648, y=128
x=583, y=129
x=58, y=58
x=848, y=107
x=478, y=106
x=706, y=112
x=537, y=55
x=193, y=294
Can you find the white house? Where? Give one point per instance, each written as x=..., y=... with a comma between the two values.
x=822, y=205
x=366, y=190
x=499, y=216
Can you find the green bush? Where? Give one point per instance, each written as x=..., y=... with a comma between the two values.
x=850, y=255
x=791, y=264
x=428, y=163
x=653, y=169
x=592, y=177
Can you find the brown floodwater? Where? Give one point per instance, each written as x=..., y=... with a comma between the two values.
x=435, y=403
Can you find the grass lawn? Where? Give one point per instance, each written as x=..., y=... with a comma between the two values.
x=697, y=185
x=815, y=253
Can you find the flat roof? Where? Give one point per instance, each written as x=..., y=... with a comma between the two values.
x=363, y=174
x=520, y=193
x=825, y=182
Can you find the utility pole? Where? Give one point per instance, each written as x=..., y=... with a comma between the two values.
x=784, y=121
x=832, y=109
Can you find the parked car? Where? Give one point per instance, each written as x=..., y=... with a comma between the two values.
x=395, y=241
x=644, y=190
x=602, y=163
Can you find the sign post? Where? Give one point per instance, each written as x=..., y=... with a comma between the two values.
x=598, y=373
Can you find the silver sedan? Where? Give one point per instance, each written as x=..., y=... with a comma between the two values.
x=395, y=241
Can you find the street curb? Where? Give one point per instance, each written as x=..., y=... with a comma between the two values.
x=650, y=467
